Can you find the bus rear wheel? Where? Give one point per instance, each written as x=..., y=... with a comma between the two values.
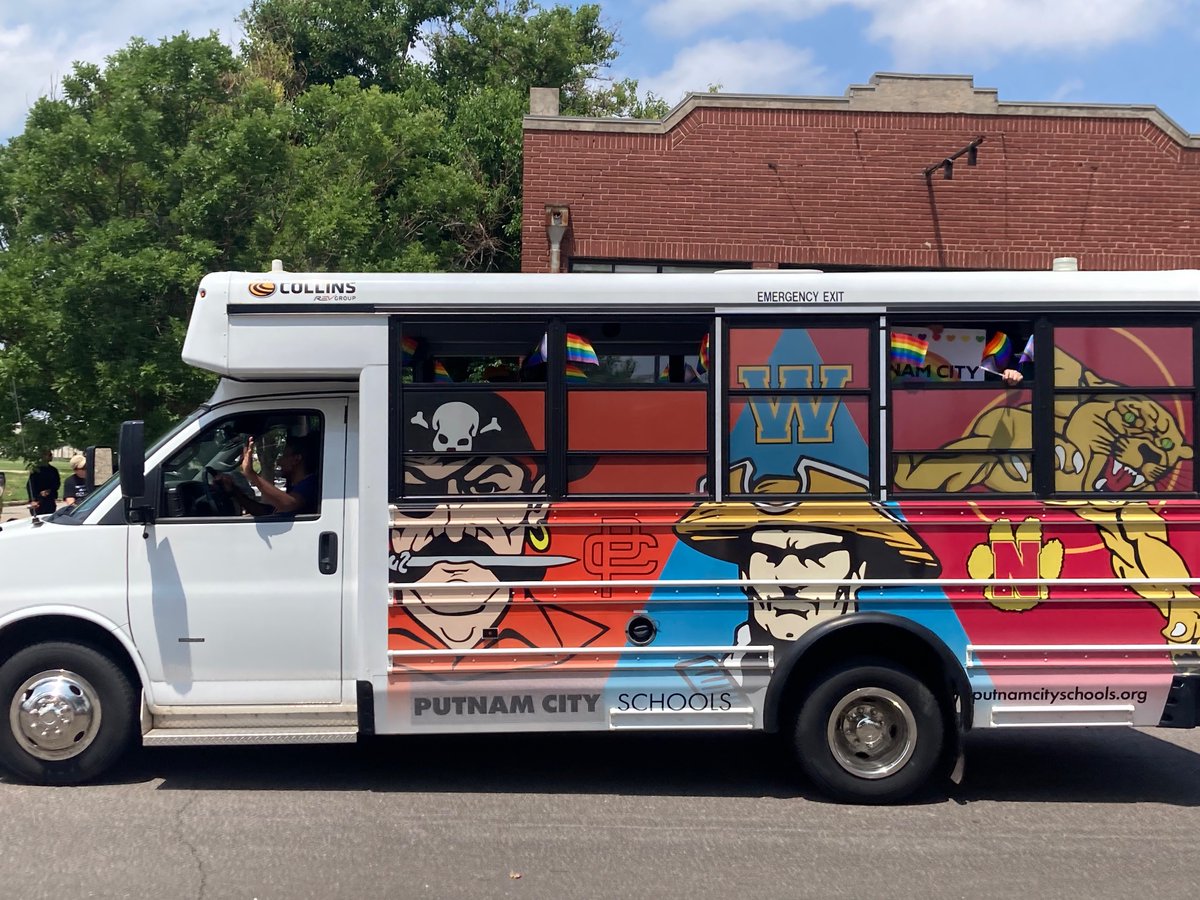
x=869, y=731
x=70, y=713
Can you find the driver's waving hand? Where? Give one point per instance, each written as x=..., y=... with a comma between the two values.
x=297, y=464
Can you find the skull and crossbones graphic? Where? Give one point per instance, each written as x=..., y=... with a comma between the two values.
x=455, y=426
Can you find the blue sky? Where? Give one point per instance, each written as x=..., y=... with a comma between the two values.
x=1096, y=51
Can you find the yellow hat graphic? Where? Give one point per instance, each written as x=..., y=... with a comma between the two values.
x=715, y=529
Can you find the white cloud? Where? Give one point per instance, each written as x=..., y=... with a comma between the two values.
x=920, y=31
x=761, y=66
x=38, y=45
x=682, y=17
x=28, y=70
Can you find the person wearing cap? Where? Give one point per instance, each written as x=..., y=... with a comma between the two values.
x=477, y=446
x=803, y=561
x=76, y=487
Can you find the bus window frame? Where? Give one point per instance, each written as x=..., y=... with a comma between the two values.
x=1045, y=383
x=556, y=454
x=1043, y=324
x=807, y=321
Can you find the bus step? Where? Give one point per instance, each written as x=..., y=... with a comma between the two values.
x=183, y=737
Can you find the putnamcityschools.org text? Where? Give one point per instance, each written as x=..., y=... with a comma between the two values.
x=1043, y=695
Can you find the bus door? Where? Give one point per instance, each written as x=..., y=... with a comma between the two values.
x=231, y=600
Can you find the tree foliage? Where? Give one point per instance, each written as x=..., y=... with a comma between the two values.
x=351, y=135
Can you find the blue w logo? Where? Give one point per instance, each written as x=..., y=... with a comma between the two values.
x=794, y=420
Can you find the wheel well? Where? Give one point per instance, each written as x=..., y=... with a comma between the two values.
x=878, y=640
x=39, y=629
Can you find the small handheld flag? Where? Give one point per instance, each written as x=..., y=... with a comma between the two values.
x=998, y=349
x=580, y=351
x=908, y=349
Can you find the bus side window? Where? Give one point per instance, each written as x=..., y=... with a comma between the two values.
x=637, y=406
x=961, y=408
x=1123, y=410
x=192, y=479
x=799, y=408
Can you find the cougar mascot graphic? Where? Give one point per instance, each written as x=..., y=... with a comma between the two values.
x=1120, y=445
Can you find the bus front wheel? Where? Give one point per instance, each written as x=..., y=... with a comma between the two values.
x=70, y=712
x=869, y=732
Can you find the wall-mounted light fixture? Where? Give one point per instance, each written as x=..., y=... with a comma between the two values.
x=558, y=219
x=971, y=152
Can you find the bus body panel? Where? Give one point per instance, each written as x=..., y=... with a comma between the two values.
x=1095, y=653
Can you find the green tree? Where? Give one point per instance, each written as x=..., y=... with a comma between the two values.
x=99, y=274
x=479, y=59
x=347, y=135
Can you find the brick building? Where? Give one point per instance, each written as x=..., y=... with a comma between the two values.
x=859, y=182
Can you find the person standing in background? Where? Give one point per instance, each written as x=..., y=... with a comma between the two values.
x=76, y=487
x=43, y=486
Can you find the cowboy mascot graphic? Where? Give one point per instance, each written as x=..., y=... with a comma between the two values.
x=802, y=561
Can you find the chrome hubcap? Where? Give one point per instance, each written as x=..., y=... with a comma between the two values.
x=55, y=714
x=871, y=732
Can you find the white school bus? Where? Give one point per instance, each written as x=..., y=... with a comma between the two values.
x=866, y=511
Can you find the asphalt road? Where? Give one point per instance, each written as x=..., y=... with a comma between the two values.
x=1097, y=813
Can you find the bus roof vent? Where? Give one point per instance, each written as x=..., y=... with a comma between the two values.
x=1064, y=264
x=277, y=265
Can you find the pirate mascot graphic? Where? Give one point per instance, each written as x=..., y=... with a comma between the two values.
x=455, y=452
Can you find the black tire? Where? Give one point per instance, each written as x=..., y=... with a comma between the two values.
x=86, y=731
x=897, y=746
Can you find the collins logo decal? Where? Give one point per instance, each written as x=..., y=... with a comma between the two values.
x=321, y=290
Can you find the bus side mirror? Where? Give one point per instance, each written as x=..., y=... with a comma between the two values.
x=132, y=466
x=99, y=466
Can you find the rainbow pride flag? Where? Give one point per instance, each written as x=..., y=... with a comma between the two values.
x=440, y=375
x=408, y=349
x=908, y=349
x=575, y=374
x=580, y=351
x=703, y=363
x=998, y=349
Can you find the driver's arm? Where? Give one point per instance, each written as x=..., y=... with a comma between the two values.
x=242, y=500
x=274, y=500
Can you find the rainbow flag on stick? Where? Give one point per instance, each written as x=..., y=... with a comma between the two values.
x=998, y=349
x=440, y=375
x=575, y=374
x=703, y=364
x=908, y=349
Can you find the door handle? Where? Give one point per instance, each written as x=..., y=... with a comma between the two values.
x=327, y=553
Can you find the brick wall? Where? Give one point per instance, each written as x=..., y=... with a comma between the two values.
x=845, y=188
